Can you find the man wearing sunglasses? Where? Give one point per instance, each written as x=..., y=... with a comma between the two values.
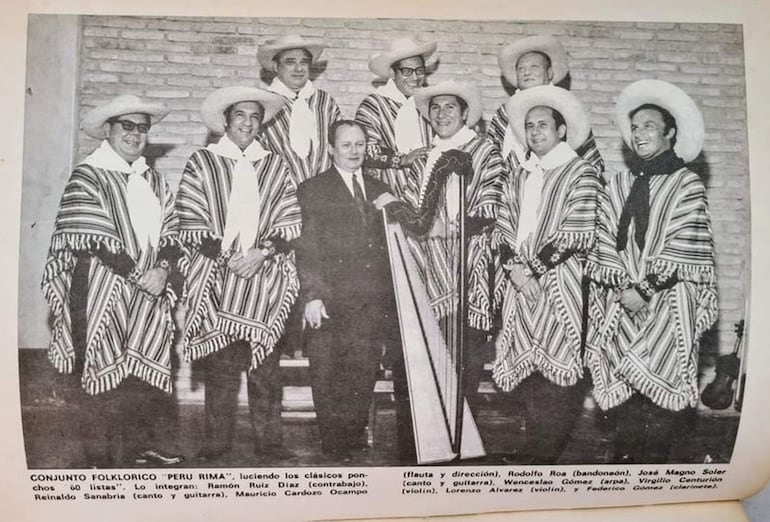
x=396, y=135
x=112, y=280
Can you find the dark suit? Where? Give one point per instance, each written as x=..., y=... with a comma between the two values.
x=342, y=260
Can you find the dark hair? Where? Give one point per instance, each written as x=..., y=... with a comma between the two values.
x=342, y=123
x=462, y=103
x=396, y=67
x=541, y=53
x=277, y=56
x=669, y=122
x=557, y=118
x=229, y=109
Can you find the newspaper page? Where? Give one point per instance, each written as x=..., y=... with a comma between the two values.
x=136, y=398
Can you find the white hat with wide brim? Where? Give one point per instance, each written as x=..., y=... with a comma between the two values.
x=213, y=108
x=270, y=48
x=94, y=120
x=575, y=116
x=545, y=44
x=400, y=49
x=467, y=91
x=689, y=120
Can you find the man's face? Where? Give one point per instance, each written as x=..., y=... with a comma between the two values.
x=128, y=144
x=349, y=148
x=532, y=70
x=293, y=67
x=446, y=115
x=541, y=131
x=408, y=83
x=244, y=123
x=648, y=135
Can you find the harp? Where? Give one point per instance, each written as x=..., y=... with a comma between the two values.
x=444, y=427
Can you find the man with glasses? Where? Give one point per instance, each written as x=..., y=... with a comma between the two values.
x=299, y=131
x=111, y=280
x=396, y=135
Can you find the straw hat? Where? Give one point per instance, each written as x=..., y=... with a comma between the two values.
x=94, y=120
x=213, y=108
x=689, y=120
x=468, y=92
x=545, y=44
x=400, y=49
x=557, y=98
x=270, y=48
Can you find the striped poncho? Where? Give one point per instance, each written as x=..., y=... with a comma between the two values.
x=499, y=125
x=128, y=332
x=436, y=257
x=377, y=113
x=654, y=351
x=222, y=307
x=276, y=137
x=545, y=335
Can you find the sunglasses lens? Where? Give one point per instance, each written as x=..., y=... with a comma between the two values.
x=130, y=126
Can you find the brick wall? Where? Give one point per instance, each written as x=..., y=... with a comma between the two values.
x=181, y=60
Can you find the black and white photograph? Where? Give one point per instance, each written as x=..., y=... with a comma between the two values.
x=375, y=242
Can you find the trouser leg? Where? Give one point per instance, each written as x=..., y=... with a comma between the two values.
x=222, y=380
x=265, y=395
x=551, y=414
x=324, y=377
x=477, y=352
x=646, y=433
x=343, y=369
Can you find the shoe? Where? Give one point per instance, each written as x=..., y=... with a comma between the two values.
x=156, y=458
x=342, y=454
x=274, y=452
x=208, y=453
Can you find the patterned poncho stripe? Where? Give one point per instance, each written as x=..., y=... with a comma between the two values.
x=496, y=134
x=654, y=352
x=377, y=114
x=545, y=336
x=436, y=257
x=128, y=332
x=222, y=307
x=276, y=137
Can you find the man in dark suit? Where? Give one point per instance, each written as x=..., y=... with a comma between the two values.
x=347, y=294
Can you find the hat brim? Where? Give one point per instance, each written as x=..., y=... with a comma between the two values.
x=545, y=44
x=557, y=98
x=381, y=64
x=689, y=120
x=94, y=120
x=213, y=108
x=466, y=91
x=267, y=51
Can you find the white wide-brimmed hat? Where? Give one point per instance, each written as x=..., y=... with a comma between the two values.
x=575, y=116
x=213, y=108
x=545, y=44
x=270, y=48
x=689, y=120
x=400, y=49
x=467, y=91
x=94, y=120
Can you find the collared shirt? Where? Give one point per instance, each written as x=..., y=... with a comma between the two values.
x=347, y=177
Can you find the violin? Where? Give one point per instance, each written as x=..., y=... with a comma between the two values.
x=718, y=394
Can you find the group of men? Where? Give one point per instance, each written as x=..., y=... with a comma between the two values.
x=592, y=274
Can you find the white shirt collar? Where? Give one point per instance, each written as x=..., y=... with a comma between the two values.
x=347, y=177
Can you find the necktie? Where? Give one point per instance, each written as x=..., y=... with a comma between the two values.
x=358, y=197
